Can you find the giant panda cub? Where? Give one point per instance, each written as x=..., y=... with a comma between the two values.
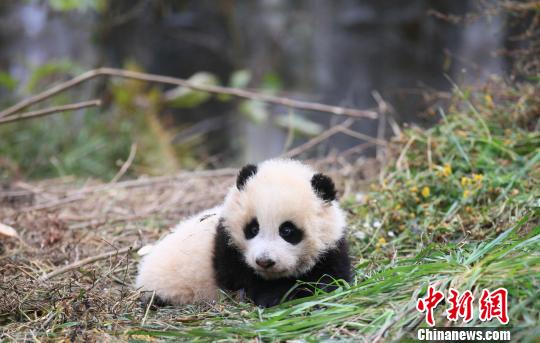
x=279, y=225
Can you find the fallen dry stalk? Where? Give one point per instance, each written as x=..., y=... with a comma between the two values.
x=241, y=93
x=88, y=260
x=51, y=110
x=318, y=139
x=362, y=136
x=126, y=164
x=152, y=181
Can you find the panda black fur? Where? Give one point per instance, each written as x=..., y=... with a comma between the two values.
x=281, y=223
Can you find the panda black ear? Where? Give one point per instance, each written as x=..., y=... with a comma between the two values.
x=324, y=187
x=245, y=173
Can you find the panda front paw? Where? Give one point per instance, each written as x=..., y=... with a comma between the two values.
x=266, y=300
x=268, y=293
x=264, y=297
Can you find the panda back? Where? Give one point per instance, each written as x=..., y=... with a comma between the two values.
x=179, y=267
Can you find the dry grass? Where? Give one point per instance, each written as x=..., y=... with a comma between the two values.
x=61, y=221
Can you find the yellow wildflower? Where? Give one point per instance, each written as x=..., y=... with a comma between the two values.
x=413, y=189
x=447, y=170
x=425, y=191
x=478, y=177
x=397, y=207
x=380, y=243
x=466, y=193
x=465, y=181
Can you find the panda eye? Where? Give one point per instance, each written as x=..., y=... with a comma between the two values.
x=290, y=233
x=251, y=229
x=285, y=231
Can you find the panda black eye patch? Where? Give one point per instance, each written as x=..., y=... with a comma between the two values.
x=251, y=229
x=290, y=232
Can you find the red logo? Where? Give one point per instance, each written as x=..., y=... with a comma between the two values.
x=491, y=304
x=461, y=306
x=429, y=303
x=494, y=305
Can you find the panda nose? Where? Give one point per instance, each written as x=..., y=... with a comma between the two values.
x=265, y=262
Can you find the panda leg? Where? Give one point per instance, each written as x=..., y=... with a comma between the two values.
x=268, y=293
x=157, y=301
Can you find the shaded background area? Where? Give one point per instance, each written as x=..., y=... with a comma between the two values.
x=336, y=52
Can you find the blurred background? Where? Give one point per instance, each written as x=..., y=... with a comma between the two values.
x=404, y=55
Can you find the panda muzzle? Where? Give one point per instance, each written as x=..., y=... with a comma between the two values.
x=265, y=262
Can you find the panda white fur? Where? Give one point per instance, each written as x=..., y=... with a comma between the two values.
x=281, y=223
x=179, y=267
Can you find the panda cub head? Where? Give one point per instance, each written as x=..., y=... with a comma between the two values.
x=282, y=216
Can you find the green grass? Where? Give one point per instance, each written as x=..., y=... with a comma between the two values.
x=382, y=300
x=57, y=146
